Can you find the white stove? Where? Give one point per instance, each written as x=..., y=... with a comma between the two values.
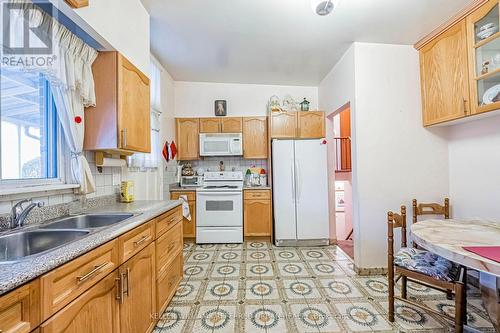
x=219, y=208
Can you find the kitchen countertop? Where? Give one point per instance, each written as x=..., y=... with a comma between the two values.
x=15, y=274
x=256, y=187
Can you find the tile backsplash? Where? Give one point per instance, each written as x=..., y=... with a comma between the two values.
x=231, y=163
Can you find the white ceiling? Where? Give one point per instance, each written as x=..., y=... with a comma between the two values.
x=279, y=41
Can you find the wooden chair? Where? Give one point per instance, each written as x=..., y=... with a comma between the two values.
x=456, y=286
x=430, y=209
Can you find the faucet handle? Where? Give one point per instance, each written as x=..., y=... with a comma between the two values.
x=38, y=203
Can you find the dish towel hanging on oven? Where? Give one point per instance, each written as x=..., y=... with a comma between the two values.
x=185, y=207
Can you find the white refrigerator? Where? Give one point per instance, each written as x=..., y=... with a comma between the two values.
x=300, y=192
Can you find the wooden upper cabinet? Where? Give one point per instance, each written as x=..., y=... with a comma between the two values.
x=95, y=311
x=139, y=293
x=188, y=140
x=283, y=124
x=231, y=125
x=133, y=107
x=221, y=125
x=77, y=3
x=484, y=79
x=311, y=125
x=255, y=140
x=20, y=309
x=210, y=125
x=120, y=121
x=444, y=76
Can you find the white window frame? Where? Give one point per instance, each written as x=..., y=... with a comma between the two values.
x=9, y=185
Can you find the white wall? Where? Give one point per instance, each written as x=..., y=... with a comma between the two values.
x=196, y=99
x=474, y=152
x=396, y=158
x=122, y=23
x=336, y=90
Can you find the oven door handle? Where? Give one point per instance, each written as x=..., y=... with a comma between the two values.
x=221, y=193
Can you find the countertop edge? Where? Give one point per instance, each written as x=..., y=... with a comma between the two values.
x=17, y=274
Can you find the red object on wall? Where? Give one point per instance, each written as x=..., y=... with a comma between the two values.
x=173, y=149
x=78, y=119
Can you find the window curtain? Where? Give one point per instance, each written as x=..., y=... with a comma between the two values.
x=71, y=80
x=151, y=160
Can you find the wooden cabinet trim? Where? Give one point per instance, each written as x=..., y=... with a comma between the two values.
x=255, y=138
x=451, y=22
x=453, y=83
x=135, y=240
x=168, y=220
x=139, y=303
x=168, y=283
x=65, y=283
x=311, y=125
x=20, y=309
x=99, y=301
x=77, y=3
x=167, y=247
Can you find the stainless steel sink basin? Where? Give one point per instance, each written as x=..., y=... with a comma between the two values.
x=88, y=221
x=18, y=245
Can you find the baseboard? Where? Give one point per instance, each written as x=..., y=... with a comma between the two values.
x=333, y=241
x=370, y=271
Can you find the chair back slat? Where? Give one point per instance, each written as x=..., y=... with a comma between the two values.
x=431, y=209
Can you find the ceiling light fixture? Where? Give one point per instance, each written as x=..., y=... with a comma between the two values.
x=323, y=7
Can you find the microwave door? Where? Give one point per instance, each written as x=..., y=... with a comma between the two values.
x=215, y=147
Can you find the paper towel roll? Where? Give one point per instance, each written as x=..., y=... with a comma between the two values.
x=113, y=162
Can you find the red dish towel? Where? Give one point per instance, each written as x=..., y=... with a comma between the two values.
x=490, y=252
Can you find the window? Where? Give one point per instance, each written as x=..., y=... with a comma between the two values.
x=29, y=129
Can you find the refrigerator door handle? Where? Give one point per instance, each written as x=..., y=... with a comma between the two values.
x=297, y=180
x=292, y=167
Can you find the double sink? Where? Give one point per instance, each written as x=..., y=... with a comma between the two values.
x=18, y=245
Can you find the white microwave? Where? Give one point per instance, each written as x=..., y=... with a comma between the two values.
x=221, y=144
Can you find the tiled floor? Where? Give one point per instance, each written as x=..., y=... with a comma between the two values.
x=256, y=287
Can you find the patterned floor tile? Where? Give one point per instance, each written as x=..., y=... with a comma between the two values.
x=195, y=271
x=226, y=270
x=216, y=319
x=222, y=290
x=314, y=318
x=229, y=256
x=257, y=287
x=291, y=269
x=258, y=255
x=340, y=288
x=259, y=269
x=267, y=318
x=286, y=255
x=187, y=291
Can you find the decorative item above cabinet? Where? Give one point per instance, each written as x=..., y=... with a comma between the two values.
x=460, y=65
x=120, y=121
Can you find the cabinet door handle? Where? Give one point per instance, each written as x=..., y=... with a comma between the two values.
x=128, y=282
x=90, y=274
x=465, y=105
x=119, y=290
x=140, y=241
x=124, y=138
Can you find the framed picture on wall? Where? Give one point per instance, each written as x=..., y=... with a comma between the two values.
x=339, y=201
x=220, y=108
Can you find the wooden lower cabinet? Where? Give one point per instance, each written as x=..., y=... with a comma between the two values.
x=138, y=305
x=188, y=227
x=94, y=293
x=95, y=311
x=20, y=309
x=168, y=282
x=257, y=213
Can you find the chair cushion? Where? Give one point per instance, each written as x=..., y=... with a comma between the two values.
x=426, y=263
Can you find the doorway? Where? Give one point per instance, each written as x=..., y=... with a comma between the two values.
x=343, y=180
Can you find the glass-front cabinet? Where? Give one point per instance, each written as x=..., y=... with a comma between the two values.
x=484, y=57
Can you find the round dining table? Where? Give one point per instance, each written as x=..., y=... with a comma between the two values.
x=447, y=238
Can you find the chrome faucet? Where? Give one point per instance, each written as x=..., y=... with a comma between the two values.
x=18, y=214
